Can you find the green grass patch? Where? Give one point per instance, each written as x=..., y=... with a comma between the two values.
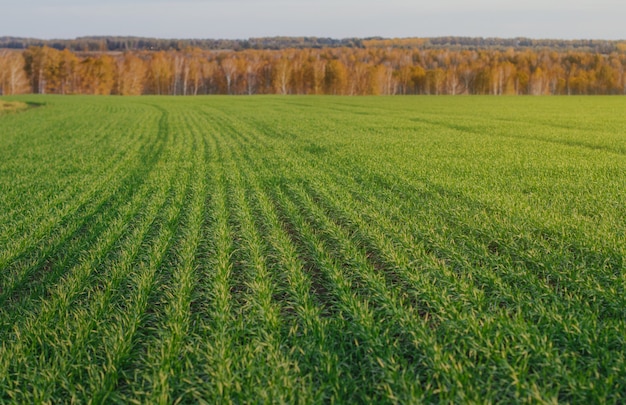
x=313, y=250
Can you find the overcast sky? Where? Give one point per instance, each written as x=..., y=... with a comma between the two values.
x=566, y=19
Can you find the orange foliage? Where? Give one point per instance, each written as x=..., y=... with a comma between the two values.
x=382, y=67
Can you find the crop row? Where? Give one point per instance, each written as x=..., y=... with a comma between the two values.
x=311, y=250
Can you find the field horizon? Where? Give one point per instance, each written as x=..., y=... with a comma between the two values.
x=313, y=249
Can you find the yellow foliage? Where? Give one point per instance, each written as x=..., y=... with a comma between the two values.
x=12, y=106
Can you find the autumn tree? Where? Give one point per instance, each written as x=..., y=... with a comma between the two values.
x=314, y=71
x=404, y=75
x=210, y=80
x=131, y=74
x=13, y=78
x=68, y=72
x=229, y=67
x=98, y=75
x=335, y=77
x=281, y=69
x=36, y=61
x=159, y=74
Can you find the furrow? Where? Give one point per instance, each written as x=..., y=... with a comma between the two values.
x=219, y=327
x=62, y=228
x=308, y=328
x=437, y=247
x=382, y=369
x=148, y=305
x=261, y=311
x=496, y=281
x=306, y=324
x=42, y=202
x=45, y=268
x=171, y=344
x=69, y=293
x=118, y=334
x=58, y=307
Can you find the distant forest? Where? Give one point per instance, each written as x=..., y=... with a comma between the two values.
x=308, y=65
x=123, y=44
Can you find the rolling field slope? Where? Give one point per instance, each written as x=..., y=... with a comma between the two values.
x=305, y=249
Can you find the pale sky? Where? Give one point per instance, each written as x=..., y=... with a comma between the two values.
x=557, y=19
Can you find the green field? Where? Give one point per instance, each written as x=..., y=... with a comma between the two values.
x=313, y=249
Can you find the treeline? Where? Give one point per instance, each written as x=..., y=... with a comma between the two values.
x=340, y=71
x=127, y=43
x=123, y=44
x=472, y=43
